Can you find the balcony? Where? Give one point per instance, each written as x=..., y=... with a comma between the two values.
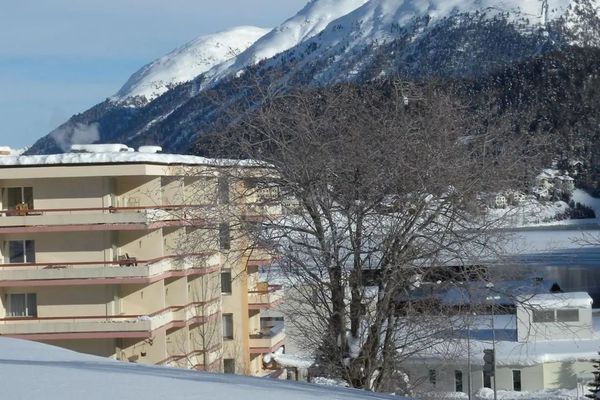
x=267, y=341
x=103, y=218
x=265, y=296
x=38, y=328
x=116, y=326
x=260, y=256
x=92, y=272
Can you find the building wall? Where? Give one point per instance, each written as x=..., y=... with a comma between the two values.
x=142, y=299
x=564, y=375
x=529, y=331
x=99, y=347
x=103, y=186
x=536, y=377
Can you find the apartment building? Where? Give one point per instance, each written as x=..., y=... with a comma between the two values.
x=135, y=256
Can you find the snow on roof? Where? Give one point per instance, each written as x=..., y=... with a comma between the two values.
x=289, y=360
x=515, y=353
x=150, y=149
x=118, y=156
x=100, y=148
x=7, y=150
x=61, y=374
x=558, y=300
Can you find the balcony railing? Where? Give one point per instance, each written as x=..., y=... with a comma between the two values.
x=267, y=341
x=126, y=267
x=260, y=256
x=265, y=296
x=118, y=325
x=106, y=215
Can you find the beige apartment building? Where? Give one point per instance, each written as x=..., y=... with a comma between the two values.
x=135, y=256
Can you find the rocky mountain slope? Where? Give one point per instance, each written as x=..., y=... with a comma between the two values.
x=357, y=40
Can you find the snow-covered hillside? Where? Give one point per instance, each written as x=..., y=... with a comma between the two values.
x=30, y=370
x=327, y=42
x=188, y=61
x=307, y=23
x=346, y=46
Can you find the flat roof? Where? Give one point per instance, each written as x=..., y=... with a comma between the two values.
x=67, y=159
x=558, y=300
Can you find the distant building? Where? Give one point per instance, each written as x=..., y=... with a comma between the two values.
x=548, y=344
x=122, y=254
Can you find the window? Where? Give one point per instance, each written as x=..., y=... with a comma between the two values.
x=19, y=252
x=22, y=305
x=458, y=380
x=543, y=315
x=432, y=376
x=18, y=195
x=226, y=282
x=516, y=375
x=567, y=315
x=224, y=237
x=228, y=326
x=223, y=190
x=229, y=366
x=487, y=379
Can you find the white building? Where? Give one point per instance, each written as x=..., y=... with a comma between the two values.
x=549, y=344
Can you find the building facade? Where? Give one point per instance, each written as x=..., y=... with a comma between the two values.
x=549, y=343
x=136, y=257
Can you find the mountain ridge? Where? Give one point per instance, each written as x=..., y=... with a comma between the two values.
x=377, y=38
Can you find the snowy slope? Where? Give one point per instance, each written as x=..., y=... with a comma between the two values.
x=307, y=23
x=32, y=370
x=348, y=43
x=188, y=61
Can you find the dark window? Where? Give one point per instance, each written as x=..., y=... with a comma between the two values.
x=458, y=380
x=20, y=252
x=227, y=326
x=224, y=237
x=229, y=366
x=543, y=315
x=567, y=315
x=487, y=379
x=223, y=190
x=516, y=380
x=226, y=282
x=432, y=376
x=22, y=305
x=19, y=195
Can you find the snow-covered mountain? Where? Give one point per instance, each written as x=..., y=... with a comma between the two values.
x=327, y=42
x=307, y=23
x=187, y=62
x=463, y=29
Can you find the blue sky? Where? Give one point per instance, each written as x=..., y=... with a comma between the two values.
x=59, y=57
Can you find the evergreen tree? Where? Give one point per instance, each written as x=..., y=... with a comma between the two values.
x=594, y=386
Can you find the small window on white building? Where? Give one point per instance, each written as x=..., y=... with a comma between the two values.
x=567, y=315
x=229, y=366
x=228, y=326
x=226, y=282
x=223, y=190
x=458, y=380
x=487, y=379
x=432, y=376
x=224, y=236
x=19, y=252
x=543, y=316
x=516, y=375
x=22, y=305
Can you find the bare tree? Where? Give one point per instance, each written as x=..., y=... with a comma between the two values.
x=378, y=184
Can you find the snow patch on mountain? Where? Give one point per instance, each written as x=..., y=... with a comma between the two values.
x=187, y=62
x=307, y=23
